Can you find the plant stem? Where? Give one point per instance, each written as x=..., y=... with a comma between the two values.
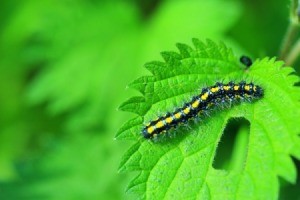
x=292, y=31
x=288, y=40
x=294, y=54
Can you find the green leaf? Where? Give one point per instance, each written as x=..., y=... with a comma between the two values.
x=84, y=71
x=130, y=129
x=135, y=102
x=192, y=20
x=90, y=174
x=182, y=166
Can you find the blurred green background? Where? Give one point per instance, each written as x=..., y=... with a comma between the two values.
x=64, y=67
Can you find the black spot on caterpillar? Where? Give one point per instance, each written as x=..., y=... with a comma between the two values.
x=246, y=61
x=209, y=98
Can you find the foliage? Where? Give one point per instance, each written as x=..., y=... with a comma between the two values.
x=182, y=167
x=63, y=68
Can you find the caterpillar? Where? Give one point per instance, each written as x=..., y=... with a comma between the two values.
x=208, y=99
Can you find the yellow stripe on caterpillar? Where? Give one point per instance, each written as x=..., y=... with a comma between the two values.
x=159, y=124
x=186, y=110
x=214, y=89
x=177, y=115
x=204, y=96
x=150, y=130
x=195, y=104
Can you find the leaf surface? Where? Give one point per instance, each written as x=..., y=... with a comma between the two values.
x=181, y=166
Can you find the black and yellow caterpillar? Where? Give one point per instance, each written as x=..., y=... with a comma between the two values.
x=209, y=98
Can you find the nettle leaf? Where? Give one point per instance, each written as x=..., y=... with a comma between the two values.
x=75, y=82
x=182, y=166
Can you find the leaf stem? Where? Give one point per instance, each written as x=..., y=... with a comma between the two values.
x=292, y=31
x=294, y=54
x=288, y=40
